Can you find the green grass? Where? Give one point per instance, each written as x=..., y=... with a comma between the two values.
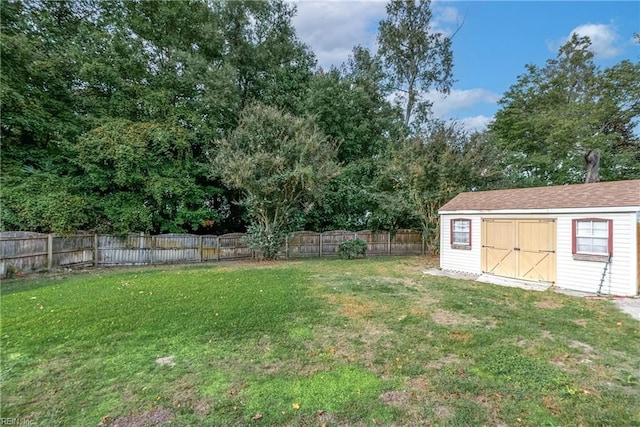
x=364, y=342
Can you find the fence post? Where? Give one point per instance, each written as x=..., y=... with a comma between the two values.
x=424, y=244
x=151, y=250
x=49, y=251
x=389, y=242
x=286, y=247
x=320, y=254
x=217, y=248
x=200, y=247
x=95, y=250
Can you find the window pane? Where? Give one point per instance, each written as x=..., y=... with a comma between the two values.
x=583, y=244
x=600, y=229
x=600, y=249
x=592, y=245
x=461, y=225
x=461, y=232
x=592, y=237
x=583, y=228
x=461, y=238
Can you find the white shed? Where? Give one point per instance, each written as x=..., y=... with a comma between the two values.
x=583, y=237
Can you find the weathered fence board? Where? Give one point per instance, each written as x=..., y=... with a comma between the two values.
x=377, y=242
x=407, y=242
x=210, y=248
x=175, y=248
x=231, y=247
x=303, y=244
x=72, y=251
x=27, y=252
x=23, y=251
x=132, y=249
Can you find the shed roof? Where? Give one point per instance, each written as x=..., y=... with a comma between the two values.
x=600, y=194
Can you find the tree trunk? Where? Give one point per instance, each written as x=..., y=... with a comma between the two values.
x=592, y=158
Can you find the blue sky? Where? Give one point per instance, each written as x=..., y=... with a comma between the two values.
x=497, y=39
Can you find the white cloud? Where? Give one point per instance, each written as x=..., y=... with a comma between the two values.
x=604, y=40
x=449, y=15
x=475, y=124
x=462, y=104
x=333, y=28
x=445, y=19
x=460, y=100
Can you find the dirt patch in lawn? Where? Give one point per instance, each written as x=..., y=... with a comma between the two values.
x=154, y=417
x=449, y=318
x=549, y=304
x=586, y=348
x=166, y=361
x=353, y=307
x=447, y=360
x=184, y=395
x=400, y=399
x=357, y=344
x=422, y=298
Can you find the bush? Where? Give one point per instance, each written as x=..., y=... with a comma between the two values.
x=349, y=249
x=266, y=243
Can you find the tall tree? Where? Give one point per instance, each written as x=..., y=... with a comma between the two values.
x=569, y=122
x=272, y=65
x=281, y=164
x=431, y=168
x=416, y=57
x=39, y=120
x=350, y=106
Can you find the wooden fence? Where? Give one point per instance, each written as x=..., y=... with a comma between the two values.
x=28, y=252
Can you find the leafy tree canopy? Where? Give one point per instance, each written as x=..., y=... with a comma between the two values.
x=553, y=119
x=281, y=164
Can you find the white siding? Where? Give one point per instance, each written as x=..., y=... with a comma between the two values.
x=460, y=260
x=579, y=275
x=585, y=276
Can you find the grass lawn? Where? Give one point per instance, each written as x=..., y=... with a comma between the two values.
x=365, y=342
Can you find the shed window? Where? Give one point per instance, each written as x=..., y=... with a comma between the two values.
x=461, y=233
x=593, y=237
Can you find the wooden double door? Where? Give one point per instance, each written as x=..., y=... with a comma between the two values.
x=520, y=248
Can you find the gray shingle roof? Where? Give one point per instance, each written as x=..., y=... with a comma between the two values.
x=600, y=194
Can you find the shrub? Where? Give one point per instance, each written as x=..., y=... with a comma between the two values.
x=349, y=249
x=266, y=243
x=12, y=271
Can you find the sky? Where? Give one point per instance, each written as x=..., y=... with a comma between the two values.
x=495, y=41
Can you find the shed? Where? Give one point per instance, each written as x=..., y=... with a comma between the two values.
x=582, y=237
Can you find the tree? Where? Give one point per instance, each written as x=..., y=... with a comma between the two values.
x=142, y=177
x=86, y=83
x=39, y=119
x=272, y=65
x=417, y=59
x=350, y=106
x=281, y=164
x=431, y=168
x=564, y=122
